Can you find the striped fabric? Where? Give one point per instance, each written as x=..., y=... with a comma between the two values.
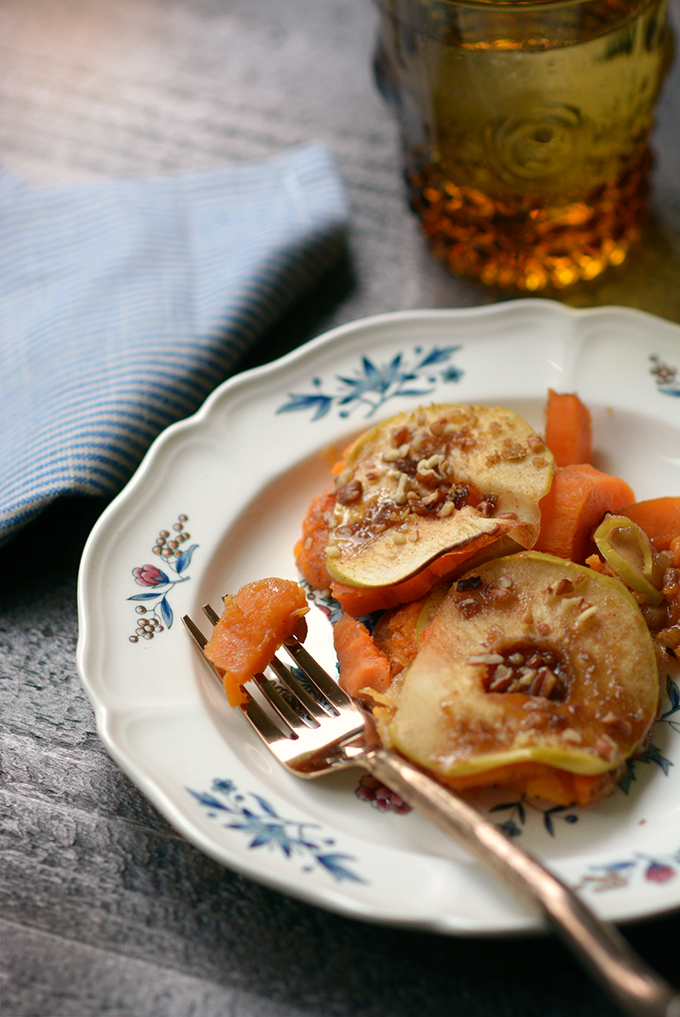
x=123, y=303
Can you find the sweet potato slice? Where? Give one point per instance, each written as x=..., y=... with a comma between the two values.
x=574, y=506
x=360, y=662
x=658, y=517
x=310, y=550
x=538, y=780
x=357, y=600
x=568, y=430
x=254, y=623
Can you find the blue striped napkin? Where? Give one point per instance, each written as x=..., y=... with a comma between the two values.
x=123, y=303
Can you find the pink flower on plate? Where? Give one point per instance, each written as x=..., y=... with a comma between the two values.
x=370, y=789
x=659, y=873
x=149, y=575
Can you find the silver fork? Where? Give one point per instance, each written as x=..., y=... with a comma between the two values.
x=319, y=732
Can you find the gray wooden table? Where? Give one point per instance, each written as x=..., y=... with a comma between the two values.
x=105, y=909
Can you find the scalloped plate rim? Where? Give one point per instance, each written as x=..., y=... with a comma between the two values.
x=329, y=897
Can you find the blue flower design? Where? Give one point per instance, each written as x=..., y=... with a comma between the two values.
x=673, y=693
x=652, y=753
x=372, y=385
x=255, y=817
x=330, y=607
x=513, y=825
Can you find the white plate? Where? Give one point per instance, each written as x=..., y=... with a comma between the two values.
x=243, y=471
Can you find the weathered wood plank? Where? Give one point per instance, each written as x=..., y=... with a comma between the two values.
x=80, y=777
x=94, y=982
x=142, y=897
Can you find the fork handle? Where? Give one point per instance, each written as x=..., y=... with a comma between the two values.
x=639, y=991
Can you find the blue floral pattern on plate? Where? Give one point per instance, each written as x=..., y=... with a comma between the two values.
x=518, y=810
x=257, y=818
x=372, y=385
x=653, y=754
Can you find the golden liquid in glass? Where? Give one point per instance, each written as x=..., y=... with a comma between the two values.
x=527, y=142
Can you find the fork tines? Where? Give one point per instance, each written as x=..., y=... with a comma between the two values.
x=299, y=711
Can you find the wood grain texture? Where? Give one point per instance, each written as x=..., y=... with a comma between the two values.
x=106, y=910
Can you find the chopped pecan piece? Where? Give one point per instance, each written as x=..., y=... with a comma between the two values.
x=350, y=492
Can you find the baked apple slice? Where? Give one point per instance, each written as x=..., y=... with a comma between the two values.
x=440, y=480
x=534, y=672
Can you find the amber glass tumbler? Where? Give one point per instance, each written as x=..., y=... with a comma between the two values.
x=526, y=129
